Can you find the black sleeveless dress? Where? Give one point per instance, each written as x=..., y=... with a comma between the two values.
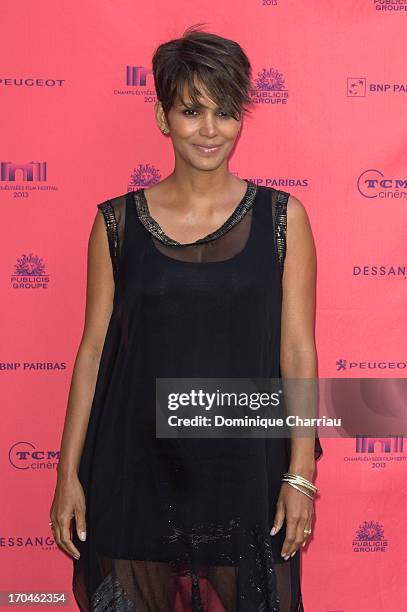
x=184, y=525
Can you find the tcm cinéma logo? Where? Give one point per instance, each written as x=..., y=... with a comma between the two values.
x=373, y=184
x=25, y=456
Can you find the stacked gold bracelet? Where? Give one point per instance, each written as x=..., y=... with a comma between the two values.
x=295, y=479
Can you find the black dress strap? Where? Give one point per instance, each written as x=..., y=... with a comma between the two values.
x=106, y=208
x=114, y=214
x=280, y=225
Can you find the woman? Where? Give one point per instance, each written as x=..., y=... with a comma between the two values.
x=185, y=279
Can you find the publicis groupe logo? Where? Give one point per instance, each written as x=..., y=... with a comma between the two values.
x=269, y=87
x=144, y=175
x=370, y=538
x=28, y=176
x=25, y=456
x=392, y=6
x=373, y=183
x=29, y=273
x=343, y=365
x=138, y=81
x=360, y=87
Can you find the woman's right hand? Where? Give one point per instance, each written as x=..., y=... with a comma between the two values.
x=68, y=503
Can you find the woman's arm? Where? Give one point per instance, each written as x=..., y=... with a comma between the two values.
x=298, y=360
x=298, y=357
x=69, y=498
x=99, y=303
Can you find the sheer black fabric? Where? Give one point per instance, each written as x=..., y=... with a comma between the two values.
x=177, y=524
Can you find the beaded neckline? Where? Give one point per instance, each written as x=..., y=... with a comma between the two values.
x=154, y=228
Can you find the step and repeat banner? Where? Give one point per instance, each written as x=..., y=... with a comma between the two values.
x=328, y=125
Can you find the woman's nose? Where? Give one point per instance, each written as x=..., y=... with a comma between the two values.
x=208, y=125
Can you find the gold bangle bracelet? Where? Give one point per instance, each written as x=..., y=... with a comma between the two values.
x=298, y=489
x=301, y=480
x=298, y=482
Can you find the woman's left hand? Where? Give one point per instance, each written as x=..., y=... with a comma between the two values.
x=298, y=510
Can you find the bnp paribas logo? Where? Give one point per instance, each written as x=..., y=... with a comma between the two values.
x=139, y=82
x=269, y=87
x=359, y=87
x=29, y=273
x=144, y=175
x=370, y=538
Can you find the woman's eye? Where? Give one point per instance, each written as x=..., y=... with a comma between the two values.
x=189, y=112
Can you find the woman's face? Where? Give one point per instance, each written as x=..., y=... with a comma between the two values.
x=203, y=136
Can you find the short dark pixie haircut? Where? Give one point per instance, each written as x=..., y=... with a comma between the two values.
x=218, y=63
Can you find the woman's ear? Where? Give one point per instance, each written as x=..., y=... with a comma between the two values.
x=160, y=118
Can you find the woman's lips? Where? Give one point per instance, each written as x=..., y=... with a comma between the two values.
x=207, y=149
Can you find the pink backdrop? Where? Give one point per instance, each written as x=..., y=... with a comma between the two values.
x=78, y=127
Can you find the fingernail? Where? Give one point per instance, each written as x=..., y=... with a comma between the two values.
x=293, y=553
x=76, y=557
x=273, y=531
x=303, y=544
x=285, y=556
x=82, y=535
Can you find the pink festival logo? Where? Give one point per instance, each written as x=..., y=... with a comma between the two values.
x=29, y=273
x=30, y=171
x=370, y=538
x=136, y=76
x=377, y=452
x=269, y=87
x=144, y=175
x=388, y=444
x=136, y=84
